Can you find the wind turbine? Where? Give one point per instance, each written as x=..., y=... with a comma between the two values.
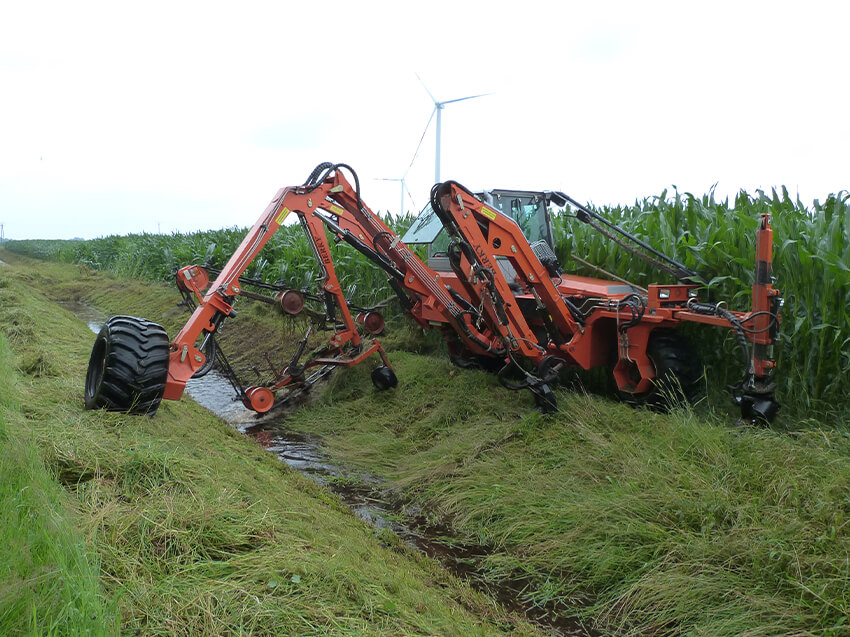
x=438, y=109
x=403, y=190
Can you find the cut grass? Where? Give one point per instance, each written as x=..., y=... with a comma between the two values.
x=48, y=577
x=656, y=524
x=646, y=524
x=197, y=530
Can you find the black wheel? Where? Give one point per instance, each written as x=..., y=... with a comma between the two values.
x=128, y=366
x=384, y=378
x=679, y=375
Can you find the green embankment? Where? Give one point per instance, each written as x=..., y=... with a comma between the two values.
x=664, y=524
x=176, y=525
x=645, y=523
x=48, y=578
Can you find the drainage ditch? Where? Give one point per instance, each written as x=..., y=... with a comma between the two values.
x=367, y=496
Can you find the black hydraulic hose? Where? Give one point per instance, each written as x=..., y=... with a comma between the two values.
x=323, y=170
x=356, y=184
x=739, y=335
x=454, y=261
x=578, y=316
x=330, y=306
x=378, y=259
x=210, y=348
x=636, y=305
x=737, y=327
x=437, y=207
x=313, y=179
x=498, y=301
x=463, y=327
x=461, y=300
x=401, y=293
x=773, y=320
x=683, y=272
x=484, y=273
x=509, y=384
x=379, y=235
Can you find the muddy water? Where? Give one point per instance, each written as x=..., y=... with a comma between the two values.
x=300, y=452
x=367, y=497
x=92, y=317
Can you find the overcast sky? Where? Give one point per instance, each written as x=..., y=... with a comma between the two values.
x=121, y=117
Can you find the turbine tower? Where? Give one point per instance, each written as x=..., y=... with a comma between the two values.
x=438, y=109
x=403, y=189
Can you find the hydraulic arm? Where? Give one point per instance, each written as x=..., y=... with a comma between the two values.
x=504, y=303
x=344, y=348
x=327, y=204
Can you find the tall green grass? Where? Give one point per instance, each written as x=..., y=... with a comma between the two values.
x=287, y=258
x=49, y=579
x=715, y=237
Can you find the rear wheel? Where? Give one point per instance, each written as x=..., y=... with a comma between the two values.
x=679, y=375
x=128, y=366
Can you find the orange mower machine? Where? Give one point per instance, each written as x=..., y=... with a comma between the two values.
x=547, y=319
x=501, y=302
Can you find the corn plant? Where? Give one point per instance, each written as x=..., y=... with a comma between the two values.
x=717, y=238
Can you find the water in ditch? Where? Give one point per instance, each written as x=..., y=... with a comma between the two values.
x=367, y=497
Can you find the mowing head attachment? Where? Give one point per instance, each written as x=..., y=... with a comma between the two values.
x=755, y=397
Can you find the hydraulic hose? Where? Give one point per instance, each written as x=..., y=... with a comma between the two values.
x=313, y=179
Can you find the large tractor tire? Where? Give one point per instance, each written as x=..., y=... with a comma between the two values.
x=128, y=366
x=679, y=377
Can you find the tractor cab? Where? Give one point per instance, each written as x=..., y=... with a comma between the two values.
x=530, y=211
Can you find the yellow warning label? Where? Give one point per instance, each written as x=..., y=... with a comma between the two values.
x=488, y=213
x=336, y=210
x=282, y=215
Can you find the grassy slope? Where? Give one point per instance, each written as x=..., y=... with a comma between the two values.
x=655, y=524
x=197, y=530
x=664, y=524
x=48, y=578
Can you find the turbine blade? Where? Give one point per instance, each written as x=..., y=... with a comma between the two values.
x=433, y=99
x=460, y=99
x=409, y=196
x=419, y=145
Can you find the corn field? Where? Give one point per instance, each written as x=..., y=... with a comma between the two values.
x=715, y=238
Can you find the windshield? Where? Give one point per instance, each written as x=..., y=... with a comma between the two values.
x=425, y=228
x=527, y=209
